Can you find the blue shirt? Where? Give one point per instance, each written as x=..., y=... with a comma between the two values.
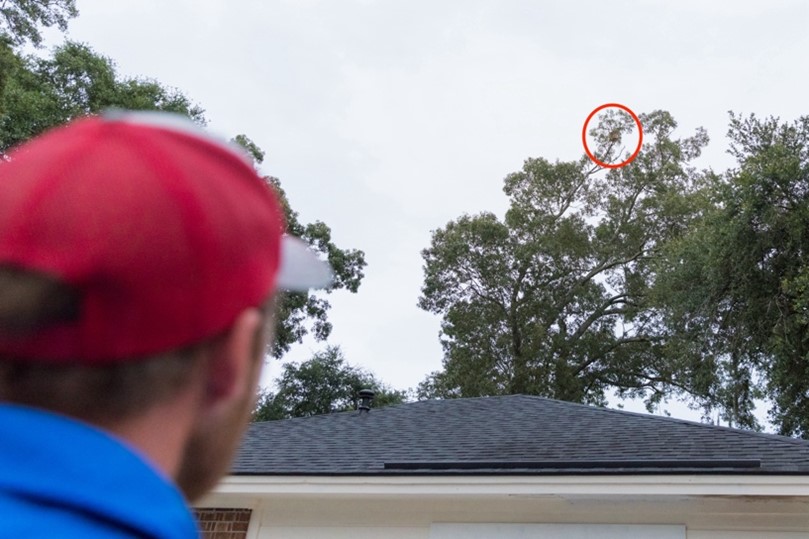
x=60, y=478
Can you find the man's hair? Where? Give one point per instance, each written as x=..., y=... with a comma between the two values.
x=30, y=302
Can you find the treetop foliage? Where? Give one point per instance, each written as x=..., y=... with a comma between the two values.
x=37, y=93
x=21, y=20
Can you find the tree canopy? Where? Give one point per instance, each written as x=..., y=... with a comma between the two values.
x=652, y=280
x=551, y=300
x=21, y=21
x=294, y=308
x=733, y=290
x=322, y=385
x=41, y=92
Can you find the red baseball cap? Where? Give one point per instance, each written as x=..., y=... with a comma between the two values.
x=165, y=233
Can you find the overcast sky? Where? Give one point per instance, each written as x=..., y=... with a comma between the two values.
x=387, y=119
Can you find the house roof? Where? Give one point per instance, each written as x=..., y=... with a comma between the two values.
x=509, y=435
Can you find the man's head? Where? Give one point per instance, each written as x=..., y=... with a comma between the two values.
x=139, y=260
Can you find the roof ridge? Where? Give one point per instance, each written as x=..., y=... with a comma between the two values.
x=653, y=417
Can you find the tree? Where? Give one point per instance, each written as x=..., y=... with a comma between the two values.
x=40, y=93
x=21, y=20
x=553, y=299
x=735, y=287
x=322, y=385
x=294, y=308
x=297, y=307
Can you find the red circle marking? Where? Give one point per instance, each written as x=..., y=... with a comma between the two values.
x=584, y=136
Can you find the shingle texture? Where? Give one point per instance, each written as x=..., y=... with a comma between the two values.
x=509, y=435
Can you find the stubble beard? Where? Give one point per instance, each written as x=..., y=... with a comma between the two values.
x=210, y=449
x=211, y=446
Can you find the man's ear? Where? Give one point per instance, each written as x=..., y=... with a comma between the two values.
x=232, y=364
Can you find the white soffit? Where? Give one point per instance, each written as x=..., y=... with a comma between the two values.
x=625, y=485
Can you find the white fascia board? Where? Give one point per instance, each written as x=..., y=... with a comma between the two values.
x=607, y=485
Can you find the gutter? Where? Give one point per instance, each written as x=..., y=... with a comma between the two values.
x=517, y=485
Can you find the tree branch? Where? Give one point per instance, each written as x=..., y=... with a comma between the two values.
x=598, y=313
x=615, y=345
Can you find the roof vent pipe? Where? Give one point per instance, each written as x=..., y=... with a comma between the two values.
x=366, y=398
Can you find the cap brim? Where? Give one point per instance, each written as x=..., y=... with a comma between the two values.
x=301, y=269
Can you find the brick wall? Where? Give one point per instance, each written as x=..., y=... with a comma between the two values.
x=223, y=523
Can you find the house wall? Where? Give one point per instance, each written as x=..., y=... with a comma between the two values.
x=670, y=507
x=396, y=517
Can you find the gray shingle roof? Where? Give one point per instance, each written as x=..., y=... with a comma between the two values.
x=509, y=435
